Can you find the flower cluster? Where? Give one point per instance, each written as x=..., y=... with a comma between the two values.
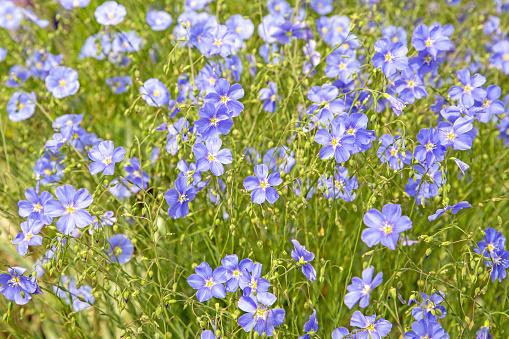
x=143, y=137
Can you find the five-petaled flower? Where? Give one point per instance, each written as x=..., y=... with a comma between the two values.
x=384, y=227
x=209, y=284
x=70, y=208
x=360, y=289
x=303, y=257
x=261, y=185
x=179, y=197
x=104, y=157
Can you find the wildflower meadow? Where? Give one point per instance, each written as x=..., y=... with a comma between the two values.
x=245, y=169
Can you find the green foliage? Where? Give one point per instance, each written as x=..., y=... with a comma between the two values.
x=149, y=296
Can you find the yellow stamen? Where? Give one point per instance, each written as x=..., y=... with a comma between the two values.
x=387, y=228
x=70, y=209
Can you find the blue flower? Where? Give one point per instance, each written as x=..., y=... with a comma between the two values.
x=71, y=4
x=122, y=189
x=426, y=329
x=312, y=58
x=360, y=289
x=72, y=120
x=310, y=327
x=340, y=186
x=499, y=262
x=493, y=240
x=491, y=105
x=235, y=270
x=303, y=257
x=107, y=219
x=212, y=156
x=135, y=174
x=48, y=169
x=484, y=333
x=178, y=198
x=471, y=89
x=281, y=159
x=500, y=57
x=326, y=105
x=28, y=235
x=260, y=317
x=503, y=127
x=120, y=249
x=3, y=54
x=356, y=124
x=337, y=144
x=70, y=208
x=18, y=288
x=110, y=13
x=10, y=15
x=208, y=334
x=189, y=171
x=370, y=326
x=81, y=298
x=158, y=20
x=334, y=30
x=285, y=31
x=17, y=76
x=395, y=34
x=62, y=82
x=342, y=65
x=218, y=40
x=253, y=280
x=342, y=332
x=225, y=96
x=433, y=39
x=430, y=308
x=410, y=86
x=461, y=165
x=175, y=132
x=424, y=63
x=397, y=105
x=155, y=93
x=96, y=46
x=390, y=57
x=214, y=121
x=242, y=27
x=384, y=227
x=392, y=151
x=234, y=64
x=428, y=180
x=196, y=5
x=119, y=84
x=454, y=209
x=126, y=42
x=270, y=97
x=456, y=135
x=261, y=183
x=271, y=54
x=322, y=7
x=58, y=140
x=430, y=150
x=209, y=284
x=492, y=248
x=41, y=62
x=35, y=206
x=104, y=157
